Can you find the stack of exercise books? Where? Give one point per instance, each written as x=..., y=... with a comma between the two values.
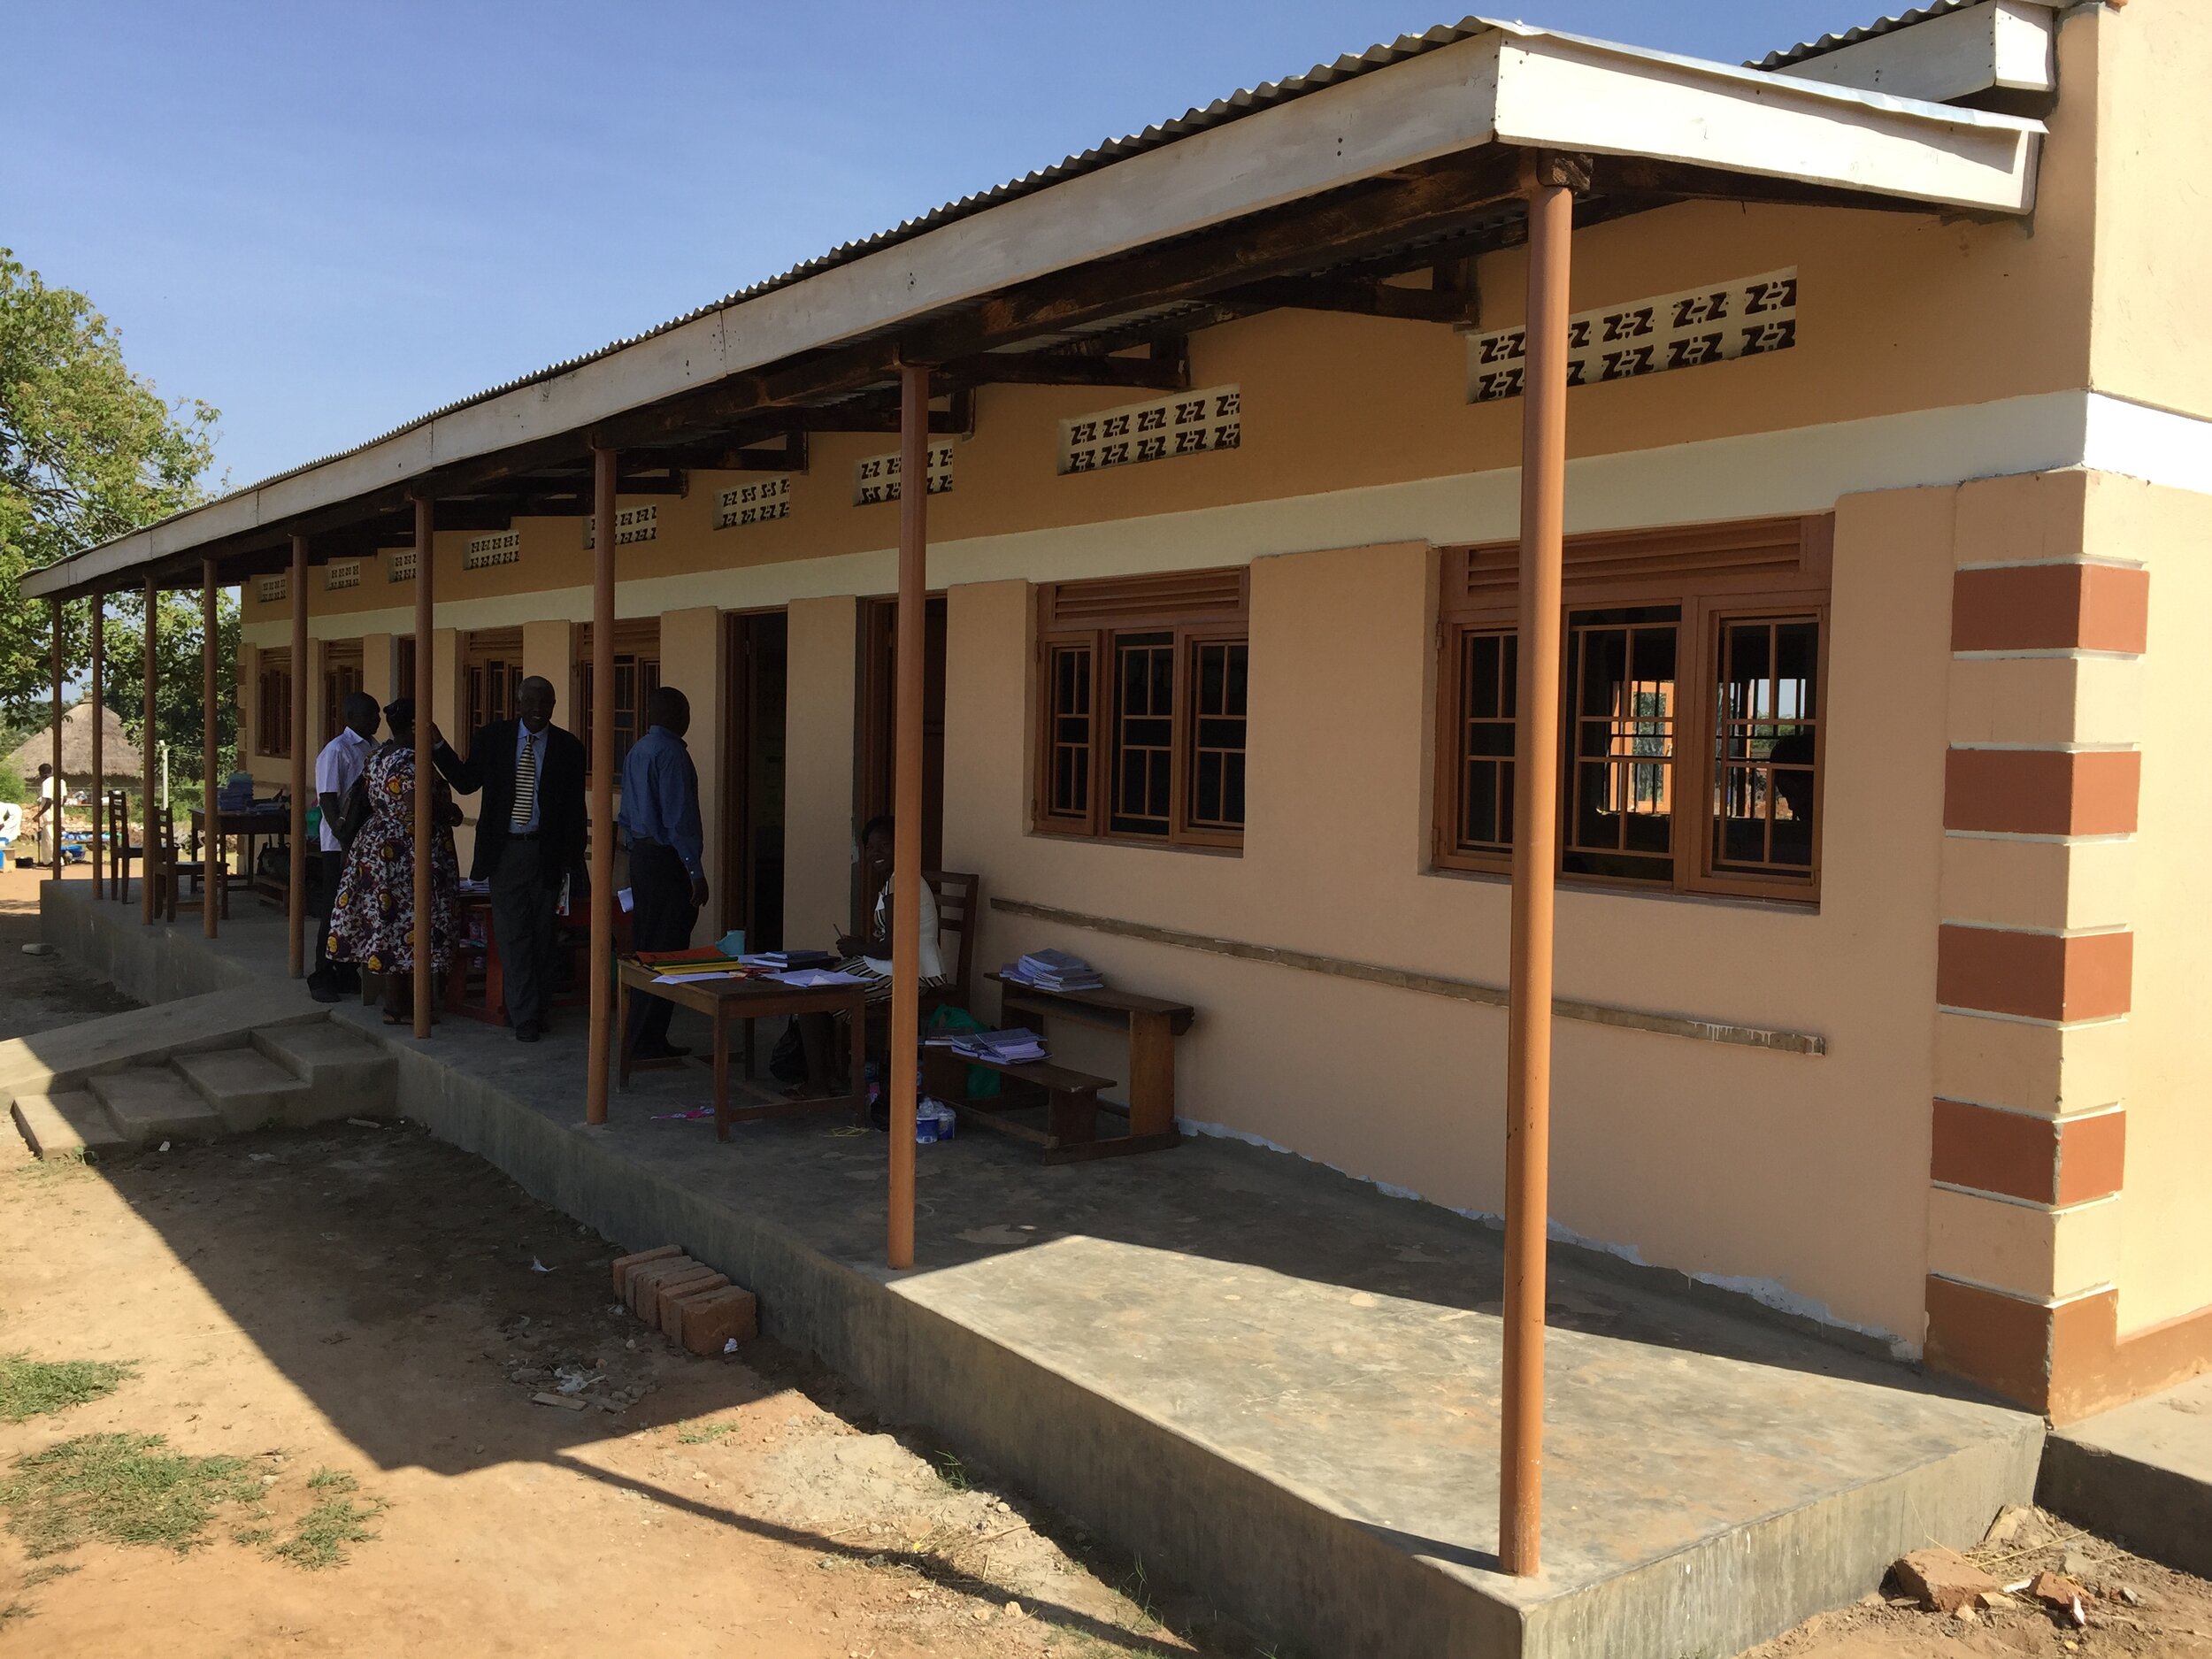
x=1053, y=971
x=1014, y=1047
x=781, y=961
x=680, y=967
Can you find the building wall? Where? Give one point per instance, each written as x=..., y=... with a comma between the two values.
x=822, y=684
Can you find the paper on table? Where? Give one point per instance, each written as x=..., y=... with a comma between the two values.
x=815, y=979
x=694, y=979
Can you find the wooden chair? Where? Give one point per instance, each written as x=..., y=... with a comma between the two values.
x=121, y=848
x=169, y=872
x=959, y=913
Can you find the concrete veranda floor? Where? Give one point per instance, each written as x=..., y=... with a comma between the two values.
x=1241, y=1365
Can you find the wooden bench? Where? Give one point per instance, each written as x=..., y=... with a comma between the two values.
x=1070, y=1099
x=1152, y=1024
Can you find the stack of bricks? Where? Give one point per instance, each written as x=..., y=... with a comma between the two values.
x=687, y=1302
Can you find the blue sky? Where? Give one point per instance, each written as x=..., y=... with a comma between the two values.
x=326, y=219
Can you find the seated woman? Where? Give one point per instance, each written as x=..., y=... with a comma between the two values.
x=373, y=916
x=869, y=956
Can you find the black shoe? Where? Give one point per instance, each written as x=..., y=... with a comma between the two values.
x=325, y=993
x=528, y=1031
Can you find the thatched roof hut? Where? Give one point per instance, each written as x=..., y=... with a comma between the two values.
x=118, y=759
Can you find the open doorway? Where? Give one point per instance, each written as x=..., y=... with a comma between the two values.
x=752, y=814
x=874, y=789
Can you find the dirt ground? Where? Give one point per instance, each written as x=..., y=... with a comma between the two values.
x=369, y=1303
x=369, y=1306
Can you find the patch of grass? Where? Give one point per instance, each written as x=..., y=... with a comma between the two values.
x=252, y=1535
x=951, y=1470
x=47, y=1574
x=331, y=1481
x=74, y=1164
x=32, y=1387
x=122, y=1488
x=704, y=1433
x=13, y=1612
x=320, y=1538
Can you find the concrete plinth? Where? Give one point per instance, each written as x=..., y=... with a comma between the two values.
x=2140, y=1474
x=1275, y=1384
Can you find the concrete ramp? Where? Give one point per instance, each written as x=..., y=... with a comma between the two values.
x=68, y=1057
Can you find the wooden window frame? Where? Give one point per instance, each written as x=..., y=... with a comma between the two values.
x=637, y=648
x=1193, y=610
x=273, y=689
x=1775, y=569
x=342, y=677
x=491, y=669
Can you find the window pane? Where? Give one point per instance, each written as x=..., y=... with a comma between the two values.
x=1620, y=817
x=1766, y=742
x=1144, y=733
x=1489, y=664
x=1219, y=672
x=1070, y=680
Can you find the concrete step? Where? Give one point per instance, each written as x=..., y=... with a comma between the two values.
x=2140, y=1474
x=150, y=1104
x=247, y=1086
x=346, y=1075
x=71, y=1123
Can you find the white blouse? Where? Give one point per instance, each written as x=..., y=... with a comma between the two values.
x=932, y=958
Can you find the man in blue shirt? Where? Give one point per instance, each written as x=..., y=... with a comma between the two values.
x=668, y=878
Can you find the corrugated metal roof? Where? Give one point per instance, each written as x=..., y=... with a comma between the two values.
x=1851, y=37
x=1249, y=101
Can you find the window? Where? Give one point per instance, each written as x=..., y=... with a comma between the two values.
x=341, y=677
x=637, y=674
x=272, y=704
x=1690, y=707
x=1143, y=687
x=493, y=663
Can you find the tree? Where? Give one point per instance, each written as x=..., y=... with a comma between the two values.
x=89, y=451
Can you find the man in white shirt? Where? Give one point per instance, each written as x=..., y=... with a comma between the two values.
x=341, y=761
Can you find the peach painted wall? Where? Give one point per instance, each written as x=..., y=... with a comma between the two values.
x=1717, y=1160
x=2166, y=1250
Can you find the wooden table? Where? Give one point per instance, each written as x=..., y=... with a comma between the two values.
x=723, y=1001
x=1152, y=1023
x=249, y=827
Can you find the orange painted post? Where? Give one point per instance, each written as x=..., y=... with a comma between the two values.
x=99, y=752
x=214, y=868
x=1535, y=838
x=59, y=617
x=604, y=1036
x=425, y=771
x=149, y=744
x=906, y=796
x=295, y=887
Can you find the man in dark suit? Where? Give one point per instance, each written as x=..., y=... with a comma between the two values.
x=529, y=835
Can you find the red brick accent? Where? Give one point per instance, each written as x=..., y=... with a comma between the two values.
x=2042, y=791
x=2065, y=1362
x=2091, y=1156
x=2035, y=976
x=2051, y=607
x=672, y=1296
x=730, y=1313
x=647, y=1283
x=2043, y=1160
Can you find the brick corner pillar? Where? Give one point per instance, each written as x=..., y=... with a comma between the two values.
x=2035, y=950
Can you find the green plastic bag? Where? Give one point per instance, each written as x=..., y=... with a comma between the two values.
x=982, y=1081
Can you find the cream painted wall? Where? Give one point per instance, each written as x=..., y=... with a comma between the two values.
x=822, y=690
x=2166, y=1246
x=692, y=661
x=1723, y=1160
x=376, y=667
x=2153, y=247
x=548, y=648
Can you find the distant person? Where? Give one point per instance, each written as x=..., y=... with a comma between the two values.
x=668, y=880
x=372, y=920
x=49, y=805
x=867, y=956
x=341, y=761
x=529, y=838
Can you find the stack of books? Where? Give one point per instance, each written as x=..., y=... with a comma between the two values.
x=1015, y=1047
x=1053, y=971
x=782, y=960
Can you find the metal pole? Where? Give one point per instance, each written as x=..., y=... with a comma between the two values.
x=150, y=833
x=425, y=771
x=906, y=794
x=295, y=885
x=60, y=618
x=99, y=753
x=604, y=1035
x=215, y=866
x=1535, y=835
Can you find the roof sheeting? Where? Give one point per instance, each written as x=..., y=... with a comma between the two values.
x=1803, y=49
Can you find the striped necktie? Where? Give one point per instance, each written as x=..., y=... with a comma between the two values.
x=526, y=787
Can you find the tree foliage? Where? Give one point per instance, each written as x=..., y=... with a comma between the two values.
x=89, y=452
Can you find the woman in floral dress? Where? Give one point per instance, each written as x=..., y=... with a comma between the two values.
x=373, y=918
